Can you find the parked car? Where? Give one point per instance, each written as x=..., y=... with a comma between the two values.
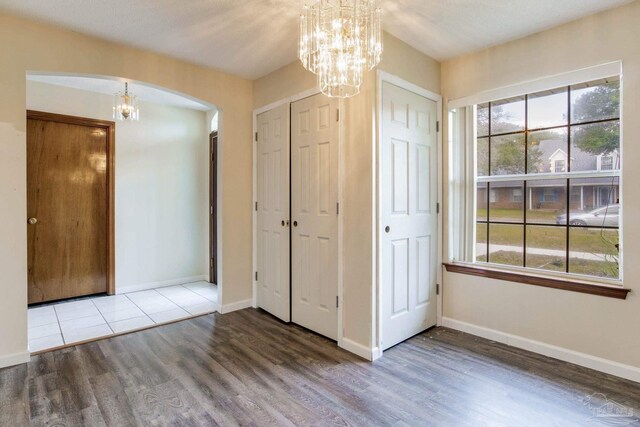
x=606, y=216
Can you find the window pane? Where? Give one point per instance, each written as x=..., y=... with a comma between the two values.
x=547, y=201
x=506, y=201
x=481, y=207
x=547, y=151
x=594, y=202
x=548, y=108
x=482, y=156
x=595, y=101
x=506, y=244
x=507, y=154
x=593, y=252
x=589, y=143
x=482, y=120
x=546, y=247
x=481, y=241
x=507, y=115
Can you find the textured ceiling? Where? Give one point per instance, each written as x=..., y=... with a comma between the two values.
x=143, y=92
x=251, y=38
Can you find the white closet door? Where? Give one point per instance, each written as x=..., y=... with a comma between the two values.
x=314, y=239
x=408, y=220
x=273, y=212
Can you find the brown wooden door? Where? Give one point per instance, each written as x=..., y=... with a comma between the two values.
x=68, y=207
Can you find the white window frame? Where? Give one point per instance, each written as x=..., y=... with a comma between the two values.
x=462, y=165
x=600, y=163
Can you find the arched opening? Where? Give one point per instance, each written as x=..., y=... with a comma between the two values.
x=162, y=211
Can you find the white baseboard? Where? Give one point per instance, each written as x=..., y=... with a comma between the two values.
x=14, y=359
x=375, y=354
x=234, y=306
x=154, y=285
x=365, y=352
x=599, y=364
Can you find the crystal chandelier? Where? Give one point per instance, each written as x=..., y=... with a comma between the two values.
x=339, y=41
x=125, y=106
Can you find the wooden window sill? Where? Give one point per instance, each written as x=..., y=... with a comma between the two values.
x=547, y=282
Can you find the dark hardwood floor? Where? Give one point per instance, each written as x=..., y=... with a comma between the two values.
x=248, y=368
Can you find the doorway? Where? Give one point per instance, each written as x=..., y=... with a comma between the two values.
x=408, y=212
x=213, y=207
x=70, y=206
x=297, y=213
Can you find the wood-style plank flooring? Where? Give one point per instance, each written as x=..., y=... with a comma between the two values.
x=247, y=368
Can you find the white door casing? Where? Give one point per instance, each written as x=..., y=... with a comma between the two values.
x=314, y=214
x=407, y=216
x=273, y=212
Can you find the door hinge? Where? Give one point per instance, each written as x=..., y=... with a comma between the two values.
x=337, y=115
x=212, y=157
x=437, y=127
x=337, y=301
x=338, y=208
x=437, y=288
x=210, y=262
x=438, y=207
x=211, y=210
x=256, y=206
x=256, y=136
x=256, y=276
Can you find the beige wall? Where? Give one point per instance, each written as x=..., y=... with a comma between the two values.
x=358, y=149
x=28, y=46
x=597, y=326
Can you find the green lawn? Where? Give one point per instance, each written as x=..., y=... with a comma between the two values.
x=589, y=240
x=592, y=241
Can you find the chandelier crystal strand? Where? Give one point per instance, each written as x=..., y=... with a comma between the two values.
x=339, y=41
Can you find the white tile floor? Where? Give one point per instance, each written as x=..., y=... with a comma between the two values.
x=69, y=322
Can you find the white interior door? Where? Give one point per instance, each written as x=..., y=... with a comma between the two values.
x=408, y=219
x=273, y=212
x=314, y=215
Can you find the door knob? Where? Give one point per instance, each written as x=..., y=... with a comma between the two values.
x=387, y=229
x=282, y=222
x=295, y=223
x=32, y=220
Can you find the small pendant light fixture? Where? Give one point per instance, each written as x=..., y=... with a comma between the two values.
x=125, y=106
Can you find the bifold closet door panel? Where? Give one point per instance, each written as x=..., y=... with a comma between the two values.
x=314, y=215
x=273, y=241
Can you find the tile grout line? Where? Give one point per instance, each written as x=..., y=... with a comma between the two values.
x=59, y=325
x=101, y=315
x=140, y=308
x=202, y=296
x=178, y=305
x=64, y=340
x=55, y=313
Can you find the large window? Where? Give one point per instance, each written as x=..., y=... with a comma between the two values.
x=547, y=177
